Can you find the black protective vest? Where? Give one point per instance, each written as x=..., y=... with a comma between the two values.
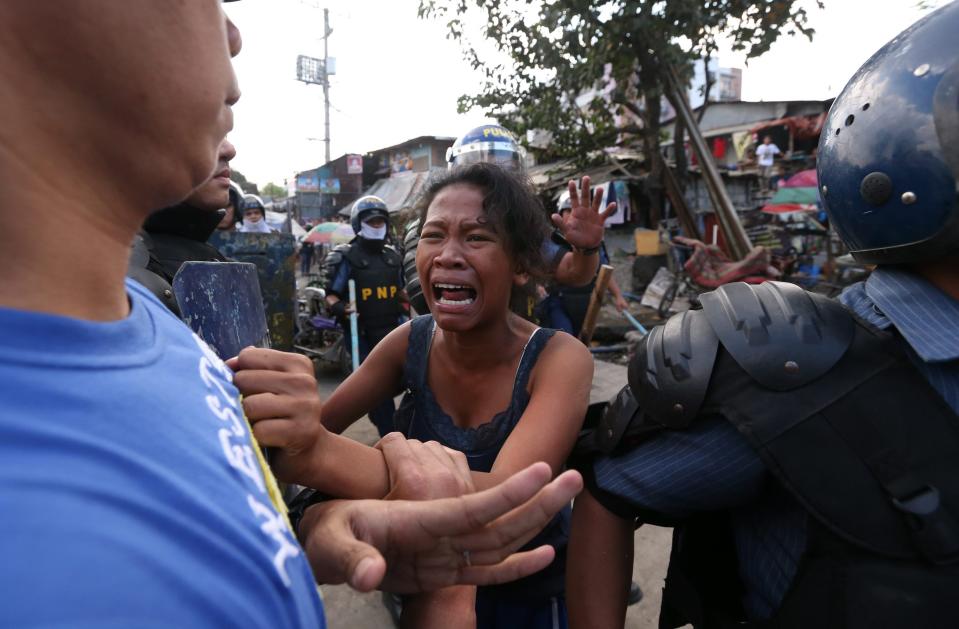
x=847, y=425
x=169, y=238
x=377, y=276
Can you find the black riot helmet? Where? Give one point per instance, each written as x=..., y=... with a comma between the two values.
x=888, y=156
x=236, y=198
x=366, y=207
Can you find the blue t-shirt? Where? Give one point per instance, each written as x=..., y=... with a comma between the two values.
x=130, y=491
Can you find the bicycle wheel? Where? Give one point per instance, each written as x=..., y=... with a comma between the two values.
x=668, y=297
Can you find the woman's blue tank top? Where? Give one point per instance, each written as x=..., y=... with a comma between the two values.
x=420, y=417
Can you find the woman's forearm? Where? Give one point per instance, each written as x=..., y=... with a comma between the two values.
x=347, y=469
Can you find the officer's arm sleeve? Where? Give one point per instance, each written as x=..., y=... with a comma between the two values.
x=553, y=251
x=340, y=284
x=678, y=473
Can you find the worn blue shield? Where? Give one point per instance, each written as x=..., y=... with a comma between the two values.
x=222, y=303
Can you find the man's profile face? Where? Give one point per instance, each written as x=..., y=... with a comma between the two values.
x=145, y=86
x=214, y=194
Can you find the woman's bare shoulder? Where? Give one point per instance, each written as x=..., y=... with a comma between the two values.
x=564, y=359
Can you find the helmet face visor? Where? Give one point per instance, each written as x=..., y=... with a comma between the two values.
x=506, y=158
x=365, y=215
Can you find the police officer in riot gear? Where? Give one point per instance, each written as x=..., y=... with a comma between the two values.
x=254, y=216
x=376, y=267
x=176, y=234
x=807, y=451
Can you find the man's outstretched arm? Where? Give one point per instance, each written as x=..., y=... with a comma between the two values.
x=418, y=546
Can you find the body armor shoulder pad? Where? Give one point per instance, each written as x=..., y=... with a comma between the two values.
x=140, y=255
x=671, y=370
x=392, y=255
x=334, y=257
x=616, y=418
x=781, y=335
x=331, y=263
x=412, y=235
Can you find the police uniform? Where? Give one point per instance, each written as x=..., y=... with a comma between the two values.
x=566, y=306
x=805, y=450
x=804, y=459
x=377, y=274
x=376, y=268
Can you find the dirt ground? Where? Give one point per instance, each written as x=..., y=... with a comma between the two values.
x=347, y=609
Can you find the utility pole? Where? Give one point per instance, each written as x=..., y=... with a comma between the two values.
x=315, y=71
x=326, y=79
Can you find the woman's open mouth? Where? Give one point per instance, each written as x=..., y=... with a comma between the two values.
x=454, y=294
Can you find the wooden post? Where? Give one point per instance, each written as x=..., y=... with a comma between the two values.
x=736, y=238
x=686, y=218
x=595, y=303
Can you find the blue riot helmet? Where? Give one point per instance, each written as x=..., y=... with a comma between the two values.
x=489, y=143
x=252, y=202
x=364, y=208
x=889, y=151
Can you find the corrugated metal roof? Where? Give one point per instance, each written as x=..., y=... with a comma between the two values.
x=399, y=192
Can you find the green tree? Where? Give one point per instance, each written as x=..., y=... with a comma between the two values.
x=274, y=191
x=247, y=186
x=550, y=55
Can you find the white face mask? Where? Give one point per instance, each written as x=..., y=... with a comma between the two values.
x=372, y=233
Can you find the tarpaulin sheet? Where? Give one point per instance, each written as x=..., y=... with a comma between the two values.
x=801, y=127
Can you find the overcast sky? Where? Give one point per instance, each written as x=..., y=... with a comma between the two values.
x=398, y=77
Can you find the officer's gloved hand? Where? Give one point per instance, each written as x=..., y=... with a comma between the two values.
x=340, y=310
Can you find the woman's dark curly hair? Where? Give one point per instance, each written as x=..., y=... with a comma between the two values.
x=514, y=212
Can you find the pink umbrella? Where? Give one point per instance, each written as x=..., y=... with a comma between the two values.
x=802, y=179
x=326, y=233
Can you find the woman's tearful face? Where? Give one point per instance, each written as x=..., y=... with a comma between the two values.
x=465, y=271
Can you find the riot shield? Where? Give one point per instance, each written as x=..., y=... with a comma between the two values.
x=273, y=255
x=221, y=302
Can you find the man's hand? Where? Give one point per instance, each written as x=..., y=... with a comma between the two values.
x=281, y=400
x=621, y=304
x=340, y=309
x=424, y=471
x=409, y=547
x=583, y=226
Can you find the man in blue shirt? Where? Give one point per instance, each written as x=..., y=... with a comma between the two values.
x=806, y=451
x=132, y=491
